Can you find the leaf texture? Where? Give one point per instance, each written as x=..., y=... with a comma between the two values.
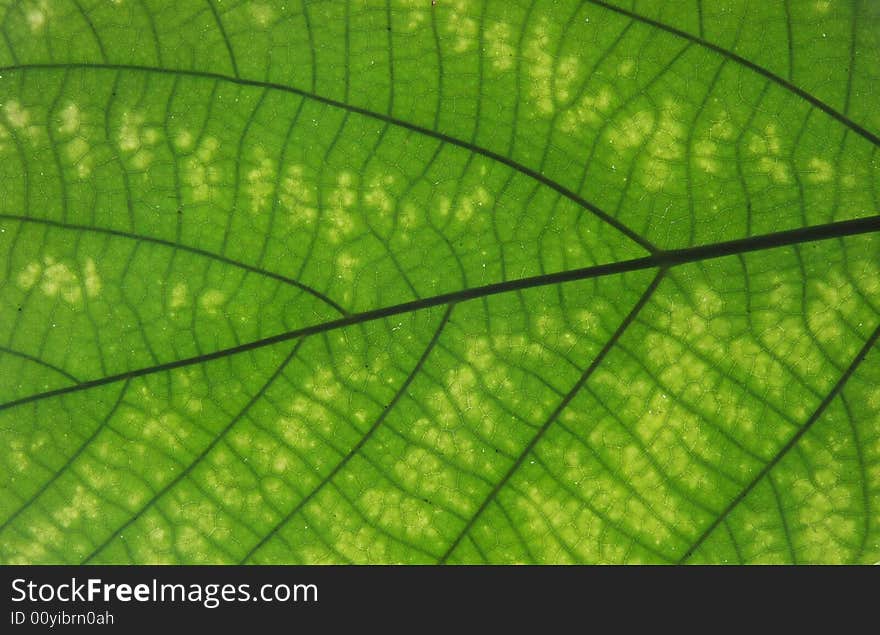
x=455, y=281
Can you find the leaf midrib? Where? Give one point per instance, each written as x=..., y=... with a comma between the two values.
x=661, y=259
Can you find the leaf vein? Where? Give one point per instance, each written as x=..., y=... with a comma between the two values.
x=665, y=259
x=365, y=112
x=791, y=443
x=536, y=438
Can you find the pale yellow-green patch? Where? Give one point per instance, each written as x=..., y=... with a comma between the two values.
x=493, y=370
x=870, y=278
x=462, y=385
x=159, y=427
x=443, y=410
x=766, y=142
x=299, y=195
x=75, y=147
x=188, y=381
x=414, y=11
x=722, y=127
x=341, y=200
x=324, y=385
x=82, y=504
x=224, y=482
x=709, y=302
x=632, y=131
x=448, y=440
x=479, y=354
x=775, y=168
x=749, y=355
x=129, y=136
x=824, y=499
x=408, y=220
x=91, y=278
x=418, y=468
x=834, y=291
x=563, y=80
x=296, y=432
x=184, y=140
x=521, y=345
x=592, y=110
x=200, y=171
x=262, y=14
x=356, y=541
x=619, y=489
x=499, y=40
x=469, y=203
x=212, y=300
x=835, y=295
x=550, y=80
x=768, y=147
x=260, y=183
x=346, y=266
x=665, y=147
x=58, y=279
x=546, y=516
x=17, y=116
x=19, y=458
x=540, y=68
x=137, y=140
x=41, y=532
x=194, y=406
x=663, y=426
x=444, y=205
x=71, y=119
x=77, y=152
x=393, y=508
x=20, y=120
x=441, y=438
x=706, y=156
x=36, y=14
x=461, y=26
x=587, y=320
x=824, y=323
x=305, y=423
x=626, y=67
x=667, y=141
x=873, y=399
x=179, y=295
x=377, y=195
x=821, y=171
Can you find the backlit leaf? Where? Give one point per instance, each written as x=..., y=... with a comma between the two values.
x=458, y=281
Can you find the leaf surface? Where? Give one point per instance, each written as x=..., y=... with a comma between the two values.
x=439, y=282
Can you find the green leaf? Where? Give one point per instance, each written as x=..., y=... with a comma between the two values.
x=454, y=281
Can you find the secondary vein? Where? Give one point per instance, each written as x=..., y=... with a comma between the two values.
x=579, y=200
